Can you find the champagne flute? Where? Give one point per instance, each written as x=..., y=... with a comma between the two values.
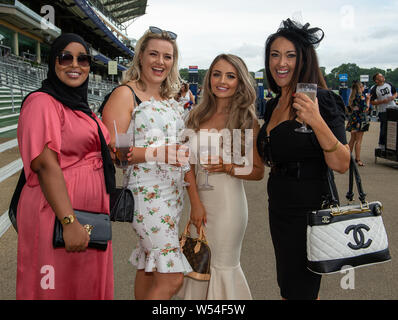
x=184, y=168
x=123, y=143
x=308, y=89
x=204, y=153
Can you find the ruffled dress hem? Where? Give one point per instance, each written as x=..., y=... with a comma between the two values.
x=170, y=260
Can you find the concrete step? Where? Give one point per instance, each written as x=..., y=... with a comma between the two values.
x=9, y=97
x=8, y=145
x=8, y=109
x=5, y=223
x=9, y=101
x=8, y=122
x=8, y=128
x=7, y=89
x=9, y=116
x=10, y=169
x=6, y=172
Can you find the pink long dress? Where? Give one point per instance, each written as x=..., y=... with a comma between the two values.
x=42, y=271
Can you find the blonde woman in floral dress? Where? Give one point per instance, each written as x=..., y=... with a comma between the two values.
x=148, y=110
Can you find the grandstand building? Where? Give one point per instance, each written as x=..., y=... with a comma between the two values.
x=27, y=28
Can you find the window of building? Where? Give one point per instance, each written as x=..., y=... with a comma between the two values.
x=27, y=47
x=6, y=40
x=45, y=52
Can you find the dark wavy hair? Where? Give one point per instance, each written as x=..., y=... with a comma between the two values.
x=305, y=40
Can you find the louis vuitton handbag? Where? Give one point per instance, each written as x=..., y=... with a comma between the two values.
x=197, y=252
x=346, y=236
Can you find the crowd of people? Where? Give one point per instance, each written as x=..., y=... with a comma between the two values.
x=67, y=152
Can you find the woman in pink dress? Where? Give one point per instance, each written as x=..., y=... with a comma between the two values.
x=67, y=166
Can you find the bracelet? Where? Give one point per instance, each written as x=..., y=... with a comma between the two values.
x=333, y=149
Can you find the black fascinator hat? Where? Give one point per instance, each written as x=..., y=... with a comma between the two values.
x=310, y=36
x=305, y=41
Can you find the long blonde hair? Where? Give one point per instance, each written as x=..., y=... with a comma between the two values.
x=242, y=114
x=171, y=84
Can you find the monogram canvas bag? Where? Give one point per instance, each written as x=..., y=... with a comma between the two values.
x=198, y=254
x=348, y=236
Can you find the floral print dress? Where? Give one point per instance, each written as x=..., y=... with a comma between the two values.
x=358, y=115
x=157, y=189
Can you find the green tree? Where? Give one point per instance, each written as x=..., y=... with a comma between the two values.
x=354, y=73
x=351, y=69
x=184, y=73
x=393, y=77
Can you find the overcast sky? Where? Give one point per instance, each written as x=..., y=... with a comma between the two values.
x=364, y=32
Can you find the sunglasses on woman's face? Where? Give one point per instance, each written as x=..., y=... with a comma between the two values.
x=66, y=59
x=157, y=30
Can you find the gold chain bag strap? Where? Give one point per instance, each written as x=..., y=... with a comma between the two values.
x=197, y=252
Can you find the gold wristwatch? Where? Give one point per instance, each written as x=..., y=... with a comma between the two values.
x=68, y=220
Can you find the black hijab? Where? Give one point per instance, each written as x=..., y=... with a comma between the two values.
x=75, y=99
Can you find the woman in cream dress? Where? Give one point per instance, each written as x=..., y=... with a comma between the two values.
x=227, y=108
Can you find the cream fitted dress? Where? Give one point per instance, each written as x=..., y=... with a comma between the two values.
x=227, y=217
x=157, y=189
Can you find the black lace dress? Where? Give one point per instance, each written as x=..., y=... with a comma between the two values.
x=297, y=185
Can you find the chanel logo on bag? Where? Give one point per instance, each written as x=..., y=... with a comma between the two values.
x=325, y=219
x=359, y=237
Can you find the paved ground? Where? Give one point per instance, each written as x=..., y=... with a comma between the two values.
x=376, y=282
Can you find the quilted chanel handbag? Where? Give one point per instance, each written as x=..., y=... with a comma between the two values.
x=197, y=252
x=97, y=225
x=122, y=205
x=346, y=236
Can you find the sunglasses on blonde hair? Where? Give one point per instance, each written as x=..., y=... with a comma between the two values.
x=157, y=30
x=66, y=59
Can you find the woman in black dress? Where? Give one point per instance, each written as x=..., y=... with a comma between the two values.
x=297, y=183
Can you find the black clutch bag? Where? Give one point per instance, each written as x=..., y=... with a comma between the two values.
x=122, y=205
x=98, y=226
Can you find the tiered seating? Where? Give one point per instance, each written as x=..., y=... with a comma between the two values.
x=18, y=78
x=10, y=104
